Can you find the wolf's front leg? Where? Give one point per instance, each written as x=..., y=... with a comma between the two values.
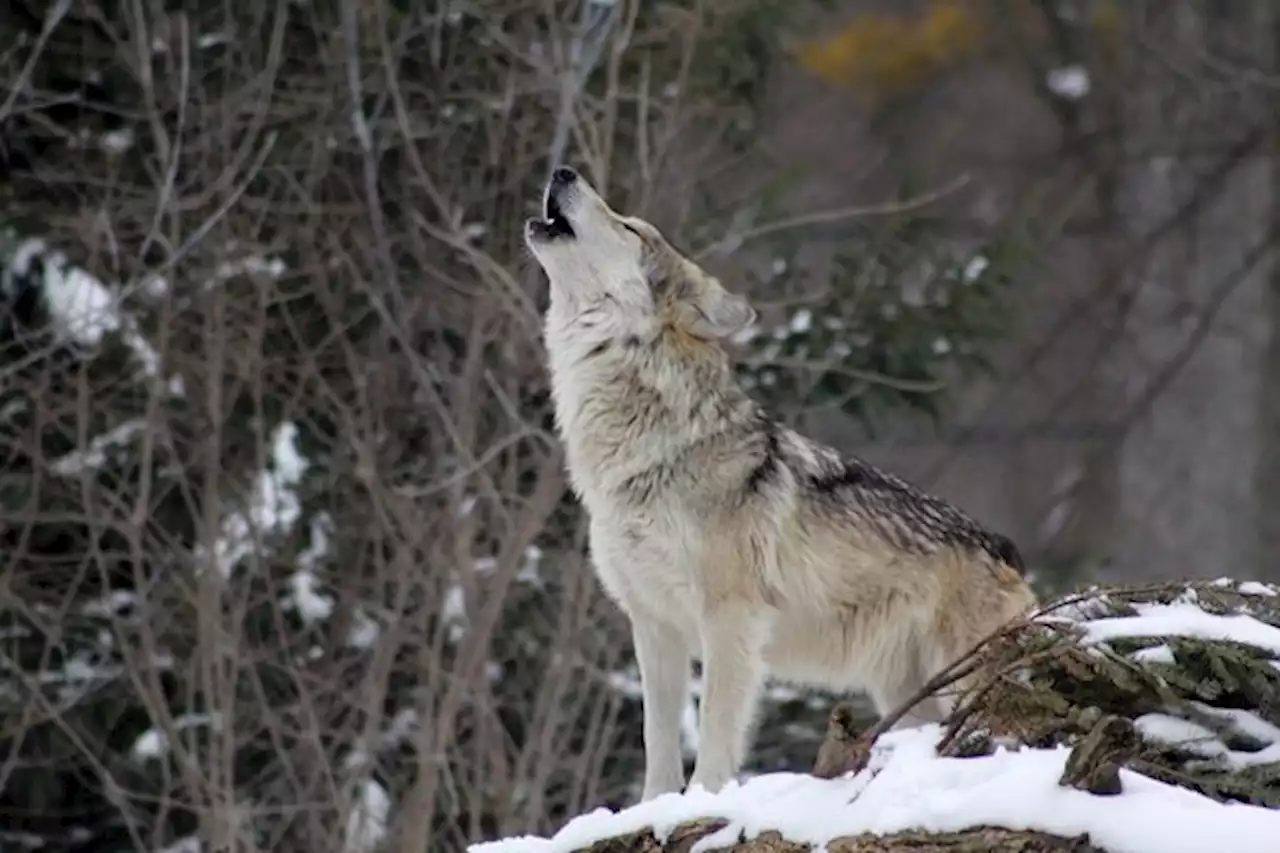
x=664, y=683
x=733, y=642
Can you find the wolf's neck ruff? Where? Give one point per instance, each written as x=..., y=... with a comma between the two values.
x=628, y=409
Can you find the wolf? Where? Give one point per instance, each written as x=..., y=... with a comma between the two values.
x=724, y=535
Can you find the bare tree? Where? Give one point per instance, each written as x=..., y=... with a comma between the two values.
x=289, y=558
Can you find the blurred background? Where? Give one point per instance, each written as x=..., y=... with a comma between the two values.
x=288, y=557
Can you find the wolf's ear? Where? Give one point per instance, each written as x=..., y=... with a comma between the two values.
x=713, y=312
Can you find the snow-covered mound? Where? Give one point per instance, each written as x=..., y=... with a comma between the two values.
x=1191, y=672
x=908, y=787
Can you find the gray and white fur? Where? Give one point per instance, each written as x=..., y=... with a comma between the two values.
x=724, y=535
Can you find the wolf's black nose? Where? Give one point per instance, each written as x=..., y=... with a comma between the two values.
x=562, y=177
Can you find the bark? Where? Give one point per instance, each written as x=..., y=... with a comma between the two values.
x=981, y=840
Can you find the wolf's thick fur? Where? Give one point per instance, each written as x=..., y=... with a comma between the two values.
x=722, y=534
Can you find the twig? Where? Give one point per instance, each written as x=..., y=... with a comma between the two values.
x=869, y=376
x=51, y=21
x=594, y=27
x=733, y=240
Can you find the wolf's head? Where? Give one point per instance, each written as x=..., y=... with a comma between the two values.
x=592, y=254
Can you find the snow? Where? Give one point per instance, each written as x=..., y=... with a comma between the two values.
x=1070, y=82
x=907, y=786
x=1203, y=741
x=1155, y=654
x=801, y=321
x=274, y=506
x=93, y=456
x=304, y=595
x=367, y=822
x=189, y=844
x=82, y=309
x=1247, y=722
x=530, y=570
x=81, y=306
x=974, y=269
x=1175, y=731
x=156, y=286
x=364, y=632
x=454, y=612
x=154, y=743
x=117, y=141
x=214, y=39
x=87, y=670
x=318, y=548
x=111, y=603
x=1184, y=620
x=311, y=604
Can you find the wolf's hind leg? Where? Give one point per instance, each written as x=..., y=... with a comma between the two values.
x=898, y=683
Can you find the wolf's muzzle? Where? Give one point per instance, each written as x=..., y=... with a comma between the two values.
x=555, y=225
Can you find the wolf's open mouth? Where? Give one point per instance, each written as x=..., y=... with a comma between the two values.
x=556, y=225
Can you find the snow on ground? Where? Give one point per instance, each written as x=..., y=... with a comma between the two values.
x=908, y=787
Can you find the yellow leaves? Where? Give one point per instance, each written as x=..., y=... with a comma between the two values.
x=1107, y=18
x=882, y=55
x=879, y=55
x=1107, y=21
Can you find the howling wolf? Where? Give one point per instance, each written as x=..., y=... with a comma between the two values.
x=723, y=534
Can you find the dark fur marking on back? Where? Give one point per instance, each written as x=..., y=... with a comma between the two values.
x=770, y=463
x=907, y=517
x=1008, y=552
